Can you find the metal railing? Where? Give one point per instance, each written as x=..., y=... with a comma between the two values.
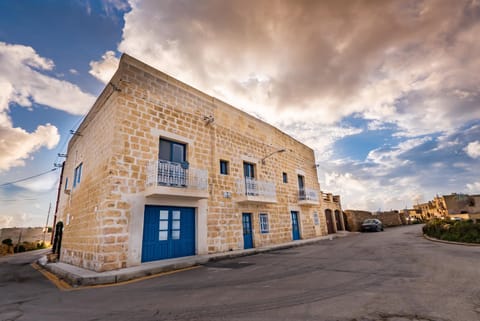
x=307, y=194
x=253, y=187
x=165, y=173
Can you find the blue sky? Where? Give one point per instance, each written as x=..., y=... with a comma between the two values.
x=385, y=92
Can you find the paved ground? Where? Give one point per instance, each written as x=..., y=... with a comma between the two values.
x=395, y=275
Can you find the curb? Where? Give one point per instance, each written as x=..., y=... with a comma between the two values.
x=79, y=277
x=433, y=239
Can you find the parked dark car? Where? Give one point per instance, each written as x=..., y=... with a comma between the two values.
x=372, y=224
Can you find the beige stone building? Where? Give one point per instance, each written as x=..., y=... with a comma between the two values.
x=159, y=170
x=455, y=205
x=332, y=209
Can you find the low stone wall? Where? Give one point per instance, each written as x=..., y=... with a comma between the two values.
x=355, y=218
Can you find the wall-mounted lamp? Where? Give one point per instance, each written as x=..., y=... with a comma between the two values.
x=275, y=152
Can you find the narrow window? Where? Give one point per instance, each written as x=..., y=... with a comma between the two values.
x=223, y=167
x=263, y=223
x=301, y=187
x=77, y=175
x=285, y=177
x=248, y=170
x=66, y=183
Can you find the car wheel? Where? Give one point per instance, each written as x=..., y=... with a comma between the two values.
x=379, y=228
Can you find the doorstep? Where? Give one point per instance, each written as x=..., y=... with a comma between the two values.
x=77, y=276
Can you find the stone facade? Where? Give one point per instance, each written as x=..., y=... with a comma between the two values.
x=116, y=151
x=332, y=210
x=390, y=218
x=448, y=206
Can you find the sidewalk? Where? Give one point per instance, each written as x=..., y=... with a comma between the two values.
x=77, y=276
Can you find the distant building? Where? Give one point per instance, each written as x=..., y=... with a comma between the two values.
x=332, y=209
x=449, y=206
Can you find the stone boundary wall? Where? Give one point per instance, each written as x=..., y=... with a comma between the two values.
x=355, y=218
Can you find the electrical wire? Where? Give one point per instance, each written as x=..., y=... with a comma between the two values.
x=28, y=178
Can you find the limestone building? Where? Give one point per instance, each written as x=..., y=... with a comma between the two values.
x=159, y=170
x=455, y=205
x=332, y=209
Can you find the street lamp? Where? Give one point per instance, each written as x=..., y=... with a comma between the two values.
x=272, y=153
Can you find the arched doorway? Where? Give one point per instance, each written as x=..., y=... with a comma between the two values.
x=329, y=219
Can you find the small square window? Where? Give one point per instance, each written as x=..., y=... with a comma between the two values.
x=223, y=167
x=285, y=177
x=263, y=223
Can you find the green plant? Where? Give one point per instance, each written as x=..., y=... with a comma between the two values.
x=457, y=231
x=8, y=242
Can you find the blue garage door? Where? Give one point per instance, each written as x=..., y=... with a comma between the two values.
x=168, y=232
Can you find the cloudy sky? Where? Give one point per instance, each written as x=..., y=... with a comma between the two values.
x=386, y=92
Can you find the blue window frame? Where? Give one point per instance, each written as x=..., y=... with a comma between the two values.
x=77, y=175
x=66, y=183
x=249, y=170
x=263, y=223
x=223, y=167
x=172, y=151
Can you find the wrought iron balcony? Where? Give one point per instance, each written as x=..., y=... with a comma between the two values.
x=308, y=196
x=255, y=191
x=176, y=179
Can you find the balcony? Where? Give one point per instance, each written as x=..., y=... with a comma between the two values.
x=255, y=191
x=176, y=180
x=307, y=196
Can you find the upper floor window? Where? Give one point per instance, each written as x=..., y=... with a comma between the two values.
x=172, y=151
x=285, y=177
x=66, y=183
x=263, y=223
x=223, y=167
x=301, y=182
x=249, y=170
x=77, y=175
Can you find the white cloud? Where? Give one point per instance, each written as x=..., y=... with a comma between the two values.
x=20, y=219
x=20, y=69
x=419, y=71
x=473, y=149
x=17, y=145
x=473, y=188
x=21, y=82
x=370, y=194
x=73, y=71
x=43, y=183
x=104, y=69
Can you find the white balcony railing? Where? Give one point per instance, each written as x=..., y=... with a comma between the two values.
x=252, y=187
x=164, y=173
x=307, y=194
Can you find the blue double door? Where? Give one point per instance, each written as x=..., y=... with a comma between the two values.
x=168, y=232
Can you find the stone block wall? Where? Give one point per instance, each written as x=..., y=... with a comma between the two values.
x=355, y=218
x=120, y=137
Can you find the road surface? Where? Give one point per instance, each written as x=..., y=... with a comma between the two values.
x=394, y=275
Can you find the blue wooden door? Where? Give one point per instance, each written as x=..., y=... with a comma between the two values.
x=168, y=232
x=295, y=226
x=247, y=231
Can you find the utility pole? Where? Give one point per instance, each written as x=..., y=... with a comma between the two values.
x=46, y=223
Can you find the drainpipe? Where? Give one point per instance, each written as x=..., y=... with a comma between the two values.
x=56, y=206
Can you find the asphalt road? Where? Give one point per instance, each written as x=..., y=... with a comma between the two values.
x=394, y=275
